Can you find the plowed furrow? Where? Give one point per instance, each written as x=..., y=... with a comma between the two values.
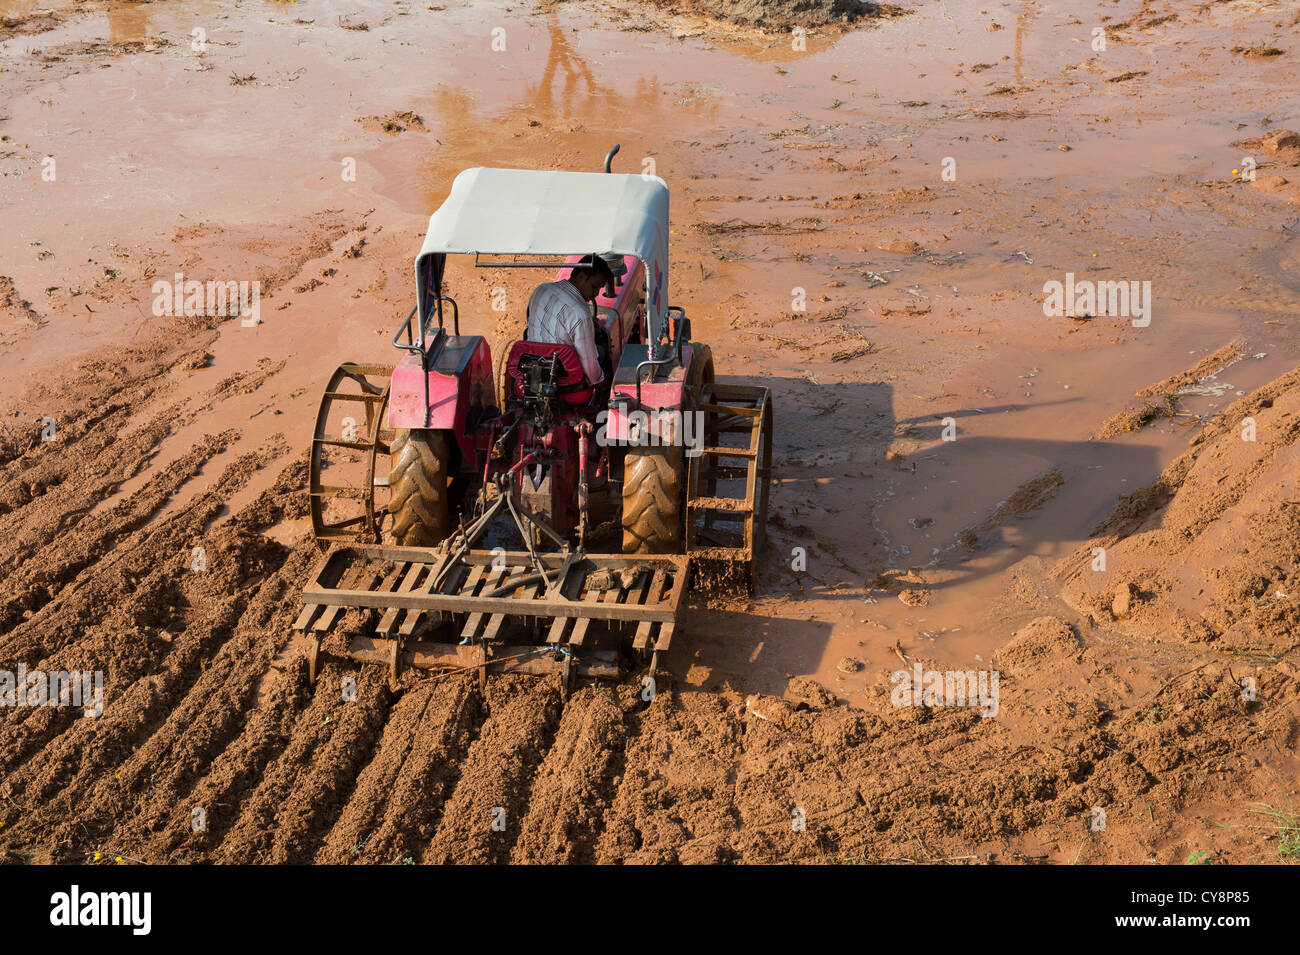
x=79, y=765
x=399, y=798
x=575, y=783
x=120, y=617
x=163, y=769
x=675, y=802
x=175, y=831
x=302, y=792
x=65, y=555
x=482, y=819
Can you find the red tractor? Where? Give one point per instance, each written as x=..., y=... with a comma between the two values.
x=679, y=461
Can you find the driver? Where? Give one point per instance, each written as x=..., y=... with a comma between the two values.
x=559, y=313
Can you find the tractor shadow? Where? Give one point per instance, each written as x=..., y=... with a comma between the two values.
x=746, y=652
x=858, y=492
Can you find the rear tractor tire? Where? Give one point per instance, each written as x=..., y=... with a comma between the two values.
x=654, y=479
x=418, y=481
x=652, y=500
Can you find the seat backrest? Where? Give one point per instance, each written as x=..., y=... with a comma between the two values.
x=572, y=383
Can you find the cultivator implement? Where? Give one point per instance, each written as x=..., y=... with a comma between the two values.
x=439, y=609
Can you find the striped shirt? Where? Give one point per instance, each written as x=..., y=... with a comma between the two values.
x=558, y=315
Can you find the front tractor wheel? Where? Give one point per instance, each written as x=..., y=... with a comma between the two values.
x=418, y=481
x=652, y=500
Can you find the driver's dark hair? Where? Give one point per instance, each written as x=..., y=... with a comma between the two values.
x=593, y=265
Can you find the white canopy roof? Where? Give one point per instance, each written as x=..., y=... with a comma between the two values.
x=539, y=212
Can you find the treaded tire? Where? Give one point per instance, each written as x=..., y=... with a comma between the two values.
x=652, y=500
x=418, y=481
x=654, y=478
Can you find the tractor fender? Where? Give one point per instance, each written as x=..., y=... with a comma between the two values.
x=460, y=388
x=661, y=417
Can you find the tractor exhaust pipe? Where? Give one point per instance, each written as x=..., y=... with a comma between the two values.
x=609, y=156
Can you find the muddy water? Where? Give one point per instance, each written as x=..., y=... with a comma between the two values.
x=811, y=217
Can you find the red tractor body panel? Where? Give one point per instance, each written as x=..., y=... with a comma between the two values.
x=629, y=422
x=460, y=389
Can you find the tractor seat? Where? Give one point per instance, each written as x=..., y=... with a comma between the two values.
x=571, y=384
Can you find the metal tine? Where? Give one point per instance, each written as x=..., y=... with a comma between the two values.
x=641, y=587
x=332, y=614
x=580, y=627
x=308, y=614
x=619, y=594
x=571, y=587
x=653, y=596
x=490, y=582
x=450, y=585
x=665, y=637
x=495, y=621
x=644, y=629
x=387, y=623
